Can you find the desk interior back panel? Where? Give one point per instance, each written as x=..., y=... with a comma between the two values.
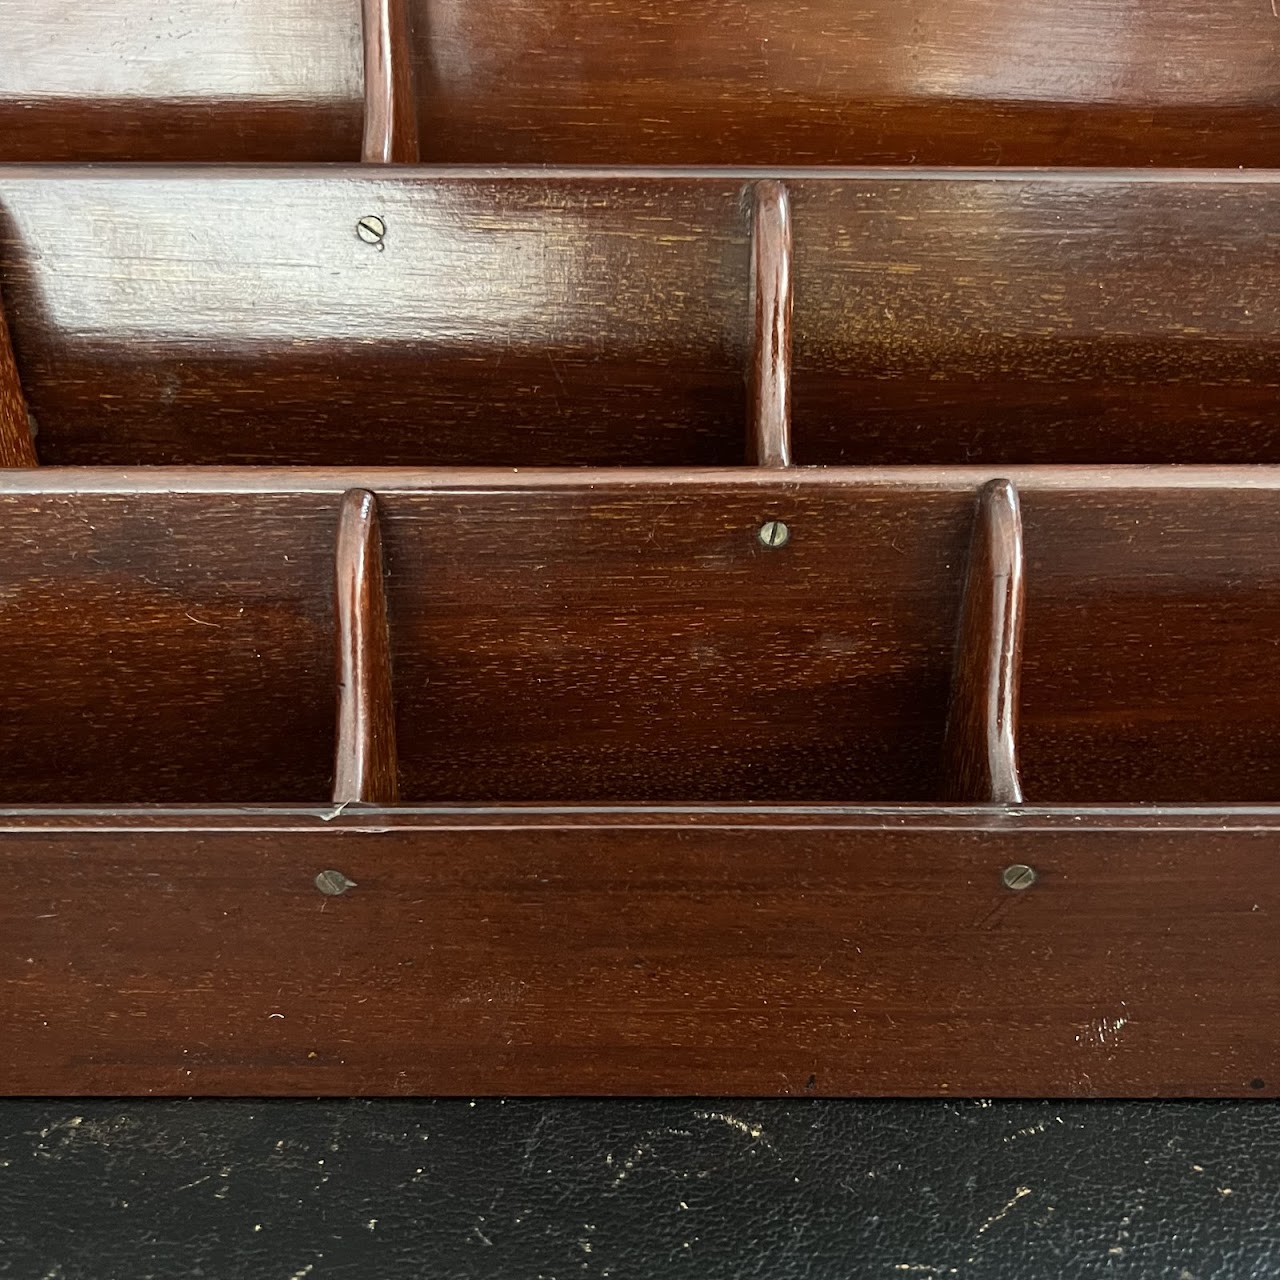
x=164, y=318
x=573, y=645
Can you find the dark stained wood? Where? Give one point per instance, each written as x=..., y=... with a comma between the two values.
x=17, y=449
x=982, y=717
x=556, y=319
x=733, y=953
x=537, y=322
x=365, y=760
x=786, y=82
x=697, y=82
x=161, y=648
x=769, y=375
x=1061, y=318
x=390, y=110
x=624, y=637
x=187, y=80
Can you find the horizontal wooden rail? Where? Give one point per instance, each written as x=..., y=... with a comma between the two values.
x=540, y=952
x=606, y=318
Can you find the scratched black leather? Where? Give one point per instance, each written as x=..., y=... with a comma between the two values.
x=427, y=1190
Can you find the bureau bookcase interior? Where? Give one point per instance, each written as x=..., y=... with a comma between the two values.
x=491, y=606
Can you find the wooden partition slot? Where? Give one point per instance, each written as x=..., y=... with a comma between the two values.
x=390, y=110
x=165, y=648
x=271, y=80
x=362, y=318
x=1152, y=628
x=982, y=719
x=994, y=319
x=17, y=449
x=609, y=642
x=787, y=82
x=769, y=376
x=365, y=762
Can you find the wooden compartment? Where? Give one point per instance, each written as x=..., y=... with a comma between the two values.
x=1017, y=82
x=996, y=318
x=599, y=686
x=638, y=638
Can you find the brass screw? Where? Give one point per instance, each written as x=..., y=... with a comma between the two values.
x=371, y=229
x=1018, y=877
x=333, y=883
x=774, y=534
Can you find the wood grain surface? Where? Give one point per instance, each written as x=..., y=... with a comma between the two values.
x=390, y=108
x=785, y=82
x=732, y=953
x=689, y=82
x=166, y=649
x=187, y=80
x=626, y=636
x=364, y=770
x=17, y=448
x=553, y=319
x=981, y=746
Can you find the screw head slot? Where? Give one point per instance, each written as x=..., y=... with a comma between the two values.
x=371, y=229
x=333, y=883
x=1018, y=877
x=773, y=534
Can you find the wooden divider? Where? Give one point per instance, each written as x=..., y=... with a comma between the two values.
x=771, y=303
x=982, y=718
x=365, y=759
x=390, y=107
x=17, y=449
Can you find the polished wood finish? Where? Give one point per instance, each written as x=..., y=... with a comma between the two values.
x=17, y=449
x=188, y=80
x=627, y=637
x=982, y=717
x=365, y=762
x=785, y=82
x=390, y=110
x=158, y=648
x=687, y=82
x=560, y=319
x=771, y=304
x=729, y=952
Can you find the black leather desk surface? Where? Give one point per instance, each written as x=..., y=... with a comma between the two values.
x=685, y=1188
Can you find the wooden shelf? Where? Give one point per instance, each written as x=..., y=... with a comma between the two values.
x=615, y=319
x=970, y=82
x=634, y=637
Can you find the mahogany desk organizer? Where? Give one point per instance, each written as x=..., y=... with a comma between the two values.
x=356, y=742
